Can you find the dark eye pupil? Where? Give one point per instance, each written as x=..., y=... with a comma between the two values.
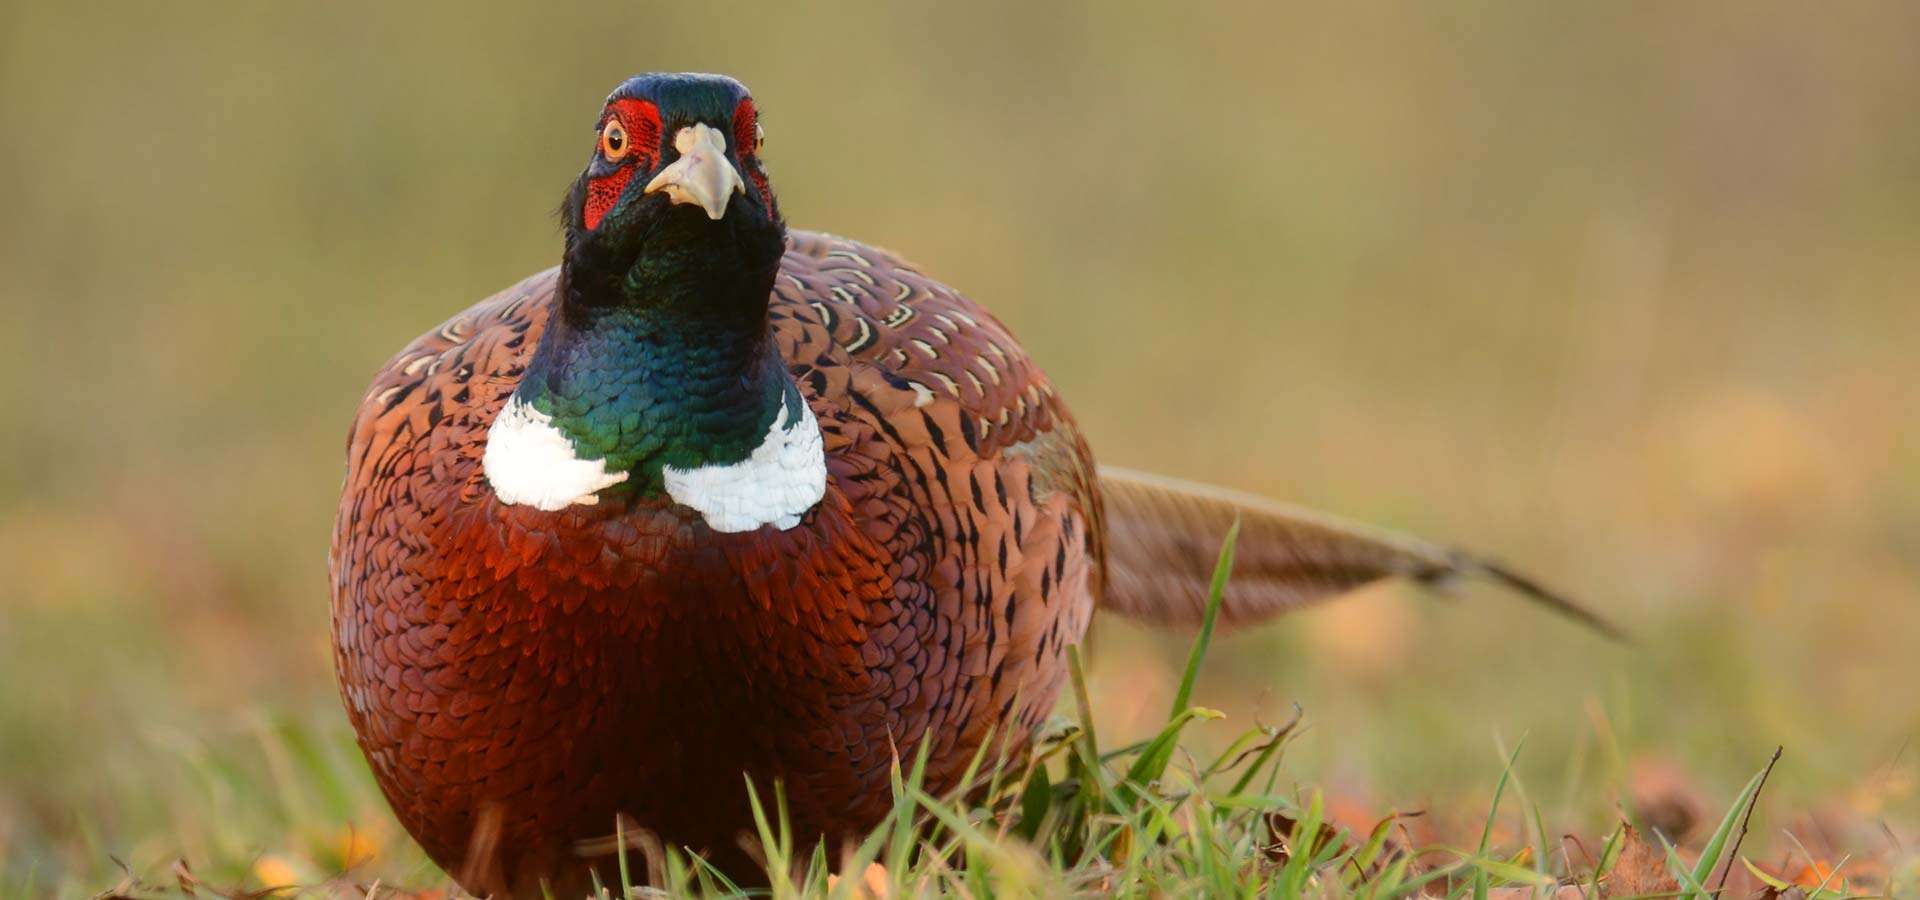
x=615, y=139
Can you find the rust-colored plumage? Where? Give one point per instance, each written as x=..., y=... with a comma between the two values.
x=624, y=658
x=521, y=676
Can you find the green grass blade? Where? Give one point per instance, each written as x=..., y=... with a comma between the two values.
x=1152, y=762
x=1264, y=760
x=1510, y=873
x=1215, y=593
x=1710, y=855
x=1035, y=800
x=620, y=852
x=1080, y=697
x=1093, y=784
x=1493, y=813
x=1691, y=888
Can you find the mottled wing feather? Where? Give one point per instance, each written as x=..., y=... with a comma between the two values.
x=998, y=503
x=927, y=341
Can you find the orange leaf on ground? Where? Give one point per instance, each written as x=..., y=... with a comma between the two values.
x=1819, y=872
x=873, y=883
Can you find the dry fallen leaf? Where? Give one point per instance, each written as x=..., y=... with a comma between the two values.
x=183, y=874
x=1279, y=842
x=1640, y=871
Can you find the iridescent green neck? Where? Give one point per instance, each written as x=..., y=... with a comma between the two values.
x=646, y=387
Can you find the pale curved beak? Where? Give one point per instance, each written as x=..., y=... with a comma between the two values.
x=702, y=174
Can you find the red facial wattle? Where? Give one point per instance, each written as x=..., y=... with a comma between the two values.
x=746, y=142
x=640, y=146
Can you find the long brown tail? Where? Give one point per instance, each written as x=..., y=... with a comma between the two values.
x=1163, y=538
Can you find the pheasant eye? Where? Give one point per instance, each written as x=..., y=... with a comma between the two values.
x=613, y=141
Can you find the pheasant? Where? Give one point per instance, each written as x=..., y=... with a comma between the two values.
x=715, y=498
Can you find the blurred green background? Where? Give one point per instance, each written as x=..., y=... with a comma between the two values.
x=1626, y=294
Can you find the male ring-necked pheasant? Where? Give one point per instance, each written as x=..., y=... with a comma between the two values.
x=715, y=497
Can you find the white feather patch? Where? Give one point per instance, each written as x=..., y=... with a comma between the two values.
x=528, y=461
x=783, y=478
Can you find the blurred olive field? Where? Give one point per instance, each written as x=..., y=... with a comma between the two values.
x=1626, y=295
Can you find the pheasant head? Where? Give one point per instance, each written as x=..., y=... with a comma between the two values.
x=674, y=200
x=657, y=378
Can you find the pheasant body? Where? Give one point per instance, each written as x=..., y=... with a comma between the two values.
x=553, y=669
x=714, y=499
